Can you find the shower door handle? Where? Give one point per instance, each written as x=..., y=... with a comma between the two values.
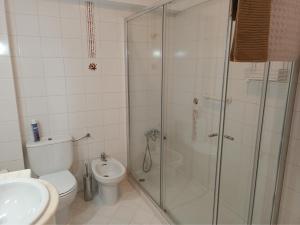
x=229, y=137
x=225, y=136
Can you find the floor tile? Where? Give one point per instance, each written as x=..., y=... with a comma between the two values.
x=130, y=209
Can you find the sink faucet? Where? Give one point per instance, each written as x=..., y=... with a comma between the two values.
x=103, y=156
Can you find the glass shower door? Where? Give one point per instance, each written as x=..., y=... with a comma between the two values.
x=144, y=48
x=254, y=122
x=194, y=68
x=240, y=127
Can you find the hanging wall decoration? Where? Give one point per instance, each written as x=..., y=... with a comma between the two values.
x=91, y=34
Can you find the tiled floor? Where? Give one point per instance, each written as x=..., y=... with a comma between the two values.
x=131, y=209
x=187, y=199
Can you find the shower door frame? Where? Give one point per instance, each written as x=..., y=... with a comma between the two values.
x=284, y=145
x=163, y=4
x=285, y=133
x=126, y=20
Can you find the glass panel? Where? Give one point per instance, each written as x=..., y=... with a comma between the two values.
x=241, y=121
x=145, y=81
x=276, y=101
x=195, y=50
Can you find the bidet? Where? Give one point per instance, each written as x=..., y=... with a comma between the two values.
x=108, y=174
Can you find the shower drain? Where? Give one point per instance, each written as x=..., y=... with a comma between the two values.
x=106, y=176
x=141, y=180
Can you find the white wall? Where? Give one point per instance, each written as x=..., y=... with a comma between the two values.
x=53, y=83
x=11, y=156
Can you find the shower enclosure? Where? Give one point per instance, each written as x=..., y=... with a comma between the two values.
x=207, y=137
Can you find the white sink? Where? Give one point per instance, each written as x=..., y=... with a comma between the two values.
x=22, y=201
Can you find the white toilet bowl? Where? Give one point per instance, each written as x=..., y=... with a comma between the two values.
x=50, y=159
x=66, y=186
x=108, y=175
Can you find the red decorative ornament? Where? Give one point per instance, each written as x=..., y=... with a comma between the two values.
x=93, y=66
x=91, y=37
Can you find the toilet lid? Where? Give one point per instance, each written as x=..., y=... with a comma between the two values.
x=63, y=181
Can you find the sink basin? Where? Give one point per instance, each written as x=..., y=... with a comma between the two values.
x=22, y=201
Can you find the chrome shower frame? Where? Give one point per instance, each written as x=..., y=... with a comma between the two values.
x=285, y=133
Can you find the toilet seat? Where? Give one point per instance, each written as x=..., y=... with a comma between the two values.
x=63, y=181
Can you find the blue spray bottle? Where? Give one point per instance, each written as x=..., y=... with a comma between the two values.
x=35, y=130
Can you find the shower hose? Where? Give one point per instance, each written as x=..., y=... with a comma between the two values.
x=147, y=164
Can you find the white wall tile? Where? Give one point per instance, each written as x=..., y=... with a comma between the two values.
x=49, y=8
x=5, y=67
x=76, y=85
x=10, y=151
x=27, y=25
x=3, y=27
x=51, y=47
x=112, y=66
x=77, y=120
x=6, y=88
x=53, y=82
x=54, y=67
x=113, y=84
x=58, y=123
x=29, y=67
x=111, y=132
x=73, y=67
x=71, y=28
x=37, y=106
x=56, y=86
x=95, y=118
x=57, y=104
x=70, y=9
x=72, y=48
x=8, y=131
x=27, y=7
x=113, y=100
x=110, y=49
x=13, y=165
x=76, y=103
x=32, y=87
x=49, y=26
x=110, y=31
x=94, y=102
x=111, y=116
x=93, y=85
x=9, y=114
x=29, y=46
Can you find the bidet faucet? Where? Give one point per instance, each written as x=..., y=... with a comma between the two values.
x=103, y=156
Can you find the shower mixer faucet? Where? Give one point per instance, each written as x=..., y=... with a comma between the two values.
x=152, y=134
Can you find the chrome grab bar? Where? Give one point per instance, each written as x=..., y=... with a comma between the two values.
x=85, y=136
x=225, y=136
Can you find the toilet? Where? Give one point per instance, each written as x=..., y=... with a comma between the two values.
x=108, y=173
x=51, y=159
